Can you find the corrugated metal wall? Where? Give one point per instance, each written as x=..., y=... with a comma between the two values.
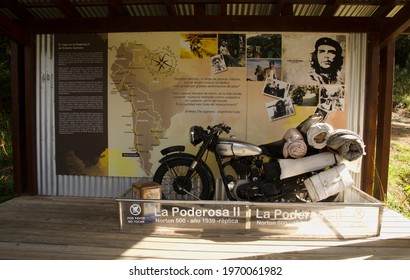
x=51, y=184
x=48, y=182
x=46, y=170
x=357, y=71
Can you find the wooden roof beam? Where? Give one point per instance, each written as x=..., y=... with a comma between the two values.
x=12, y=30
x=399, y=24
x=202, y=23
x=116, y=8
x=224, y=8
x=169, y=5
x=18, y=9
x=278, y=8
x=67, y=7
x=331, y=8
x=385, y=8
x=199, y=9
x=287, y=9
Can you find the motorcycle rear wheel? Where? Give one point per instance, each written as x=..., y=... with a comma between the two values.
x=171, y=175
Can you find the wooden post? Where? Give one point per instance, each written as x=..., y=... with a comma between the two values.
x=23, y=92
x=384, y=120
x=370, y=112
x=30, y=115
x=17, y=123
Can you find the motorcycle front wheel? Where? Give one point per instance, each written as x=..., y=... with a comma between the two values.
x=175, y=186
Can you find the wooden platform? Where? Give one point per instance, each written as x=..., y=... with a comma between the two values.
x=42, y=227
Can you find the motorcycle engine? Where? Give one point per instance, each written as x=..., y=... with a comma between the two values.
x=254, y=190
x=242, y=167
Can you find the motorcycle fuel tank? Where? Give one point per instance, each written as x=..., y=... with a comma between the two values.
x=229, y=147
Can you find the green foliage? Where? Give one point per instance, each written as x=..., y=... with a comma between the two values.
x=402, y=54
x=6, y=185
x=398, y=197
x=5, y=140
x=6, y=158
x=401, y=91
x=5, y=103
x=6, y=152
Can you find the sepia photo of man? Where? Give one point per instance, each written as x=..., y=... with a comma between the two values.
x=218, y=64
x=261, y=69
x=232, y=47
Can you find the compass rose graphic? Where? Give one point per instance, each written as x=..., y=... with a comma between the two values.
x=162, y=62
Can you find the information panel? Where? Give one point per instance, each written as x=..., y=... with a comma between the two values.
x=122, y=97
x=81, y=104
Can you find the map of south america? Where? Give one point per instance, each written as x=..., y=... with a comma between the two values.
x=138, y=77
x=156, y=93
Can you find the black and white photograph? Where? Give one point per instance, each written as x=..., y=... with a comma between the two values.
x=276, y=88
x=304, y=95
x=332, y=98
x=321, y=112
x=264, y=46
x=314, y=59
x=326, y=62
x=261, y=69
x=233, y=49
x=279, y=108
x=218, y=64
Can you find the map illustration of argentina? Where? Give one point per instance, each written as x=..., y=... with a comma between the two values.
x=143, y=78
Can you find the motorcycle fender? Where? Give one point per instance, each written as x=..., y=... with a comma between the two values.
x=173, y=149
x=175, y=155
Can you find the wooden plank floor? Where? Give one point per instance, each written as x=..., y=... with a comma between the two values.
x=42, y=227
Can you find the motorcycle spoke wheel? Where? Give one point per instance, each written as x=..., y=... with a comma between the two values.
x=172, y=177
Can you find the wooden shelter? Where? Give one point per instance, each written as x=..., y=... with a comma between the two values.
x=381, y=20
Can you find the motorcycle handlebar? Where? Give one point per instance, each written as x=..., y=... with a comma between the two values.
x=220, y=127
x=226, y=128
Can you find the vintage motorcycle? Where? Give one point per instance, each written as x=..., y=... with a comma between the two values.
x=248, y=172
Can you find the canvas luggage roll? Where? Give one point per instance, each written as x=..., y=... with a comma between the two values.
x=317, y=135
x=329, y=182
x=348, y=144
x=295, y=146
x=294, y=167
x=304, y=126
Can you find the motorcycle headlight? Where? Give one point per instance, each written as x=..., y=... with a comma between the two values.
x=195, y=133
